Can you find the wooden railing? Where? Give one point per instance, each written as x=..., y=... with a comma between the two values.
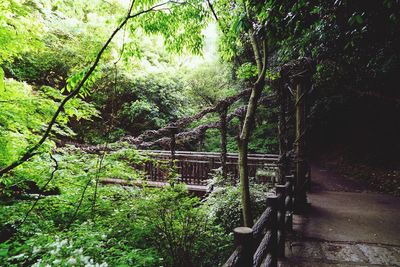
x=260, y=245
x=264, y=243
x=195, y=167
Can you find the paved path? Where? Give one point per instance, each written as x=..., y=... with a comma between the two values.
x=345, y=225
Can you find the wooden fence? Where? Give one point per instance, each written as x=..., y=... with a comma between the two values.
x=195, y=167
x=264, y=243
x=260, y=245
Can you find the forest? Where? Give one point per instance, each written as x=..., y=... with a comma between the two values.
x=87, y=87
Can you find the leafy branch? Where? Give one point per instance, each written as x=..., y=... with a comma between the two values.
x=33, y=150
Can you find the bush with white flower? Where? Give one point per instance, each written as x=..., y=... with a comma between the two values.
x=62, y=253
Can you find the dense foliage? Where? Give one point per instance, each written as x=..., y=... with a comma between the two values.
x=111, y=225
x=356, y=46
x=53, y=210
x=24, y=112
x=168, y=63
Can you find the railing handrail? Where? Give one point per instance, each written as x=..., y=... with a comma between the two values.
x=218, y=154
x=268, y=234
x=213, y=158
x=196, y=167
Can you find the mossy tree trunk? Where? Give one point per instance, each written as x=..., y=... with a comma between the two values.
x=300, y=193
x=282, y=130
x=223, y=130
x=248, y=125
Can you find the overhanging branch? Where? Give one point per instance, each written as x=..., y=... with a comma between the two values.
x=31, y=151
x=199, y=131
x=184, y=122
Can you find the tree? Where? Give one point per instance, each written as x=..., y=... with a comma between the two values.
x=248, y=29
x=156, y=18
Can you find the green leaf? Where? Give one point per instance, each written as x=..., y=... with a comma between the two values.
x=247, y=71
x=1, y=79
x=359, y=19
x=3, y=252
x=237, y=24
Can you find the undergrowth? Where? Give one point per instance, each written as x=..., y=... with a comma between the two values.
x=89, y=225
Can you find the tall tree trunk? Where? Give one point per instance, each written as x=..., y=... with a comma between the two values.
x=223, y=131
x=244, y=183
x=201, y=143
x=282, y=131
x=248, y=125
x=300, y=194
x=172, y=144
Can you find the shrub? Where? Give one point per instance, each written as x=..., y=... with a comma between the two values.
x=175, y=222
x=224, y=204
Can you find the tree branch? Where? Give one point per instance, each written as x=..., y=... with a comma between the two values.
x=30, y=152
x=184, y=122
x=197, y=132
x=212, y=10
x=254, y=97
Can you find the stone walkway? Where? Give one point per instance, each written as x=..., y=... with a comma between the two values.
x=318, y=253
x=345, y=226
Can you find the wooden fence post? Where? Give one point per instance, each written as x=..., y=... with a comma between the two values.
x=289, y=202
x=273, y=203
x=172, y=130
x=281, y=192
x=244, y=238
x=201, y=142
x=264, y=246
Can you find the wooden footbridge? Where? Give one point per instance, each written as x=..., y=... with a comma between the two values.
x=196, y=168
